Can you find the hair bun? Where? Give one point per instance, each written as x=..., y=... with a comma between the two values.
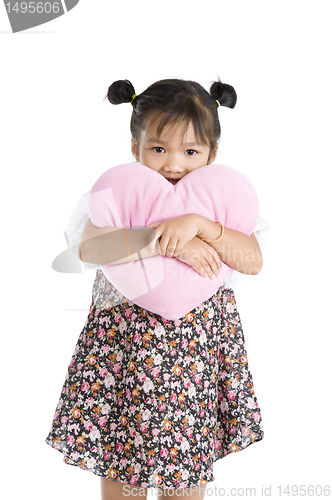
x=223, y=93
x=120, y=91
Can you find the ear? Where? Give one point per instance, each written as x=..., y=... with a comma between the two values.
x=134, y=149
x=213, y=155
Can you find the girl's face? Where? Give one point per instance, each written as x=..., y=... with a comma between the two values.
x=173, y=155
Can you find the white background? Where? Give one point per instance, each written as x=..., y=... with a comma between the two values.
x=58, y=136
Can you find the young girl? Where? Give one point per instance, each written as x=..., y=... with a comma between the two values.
x=150, y=402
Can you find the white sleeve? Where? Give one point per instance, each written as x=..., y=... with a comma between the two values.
x=260, y=231
x=75, y=227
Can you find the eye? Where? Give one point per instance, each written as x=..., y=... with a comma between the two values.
x=158, y=149
x=191, y=152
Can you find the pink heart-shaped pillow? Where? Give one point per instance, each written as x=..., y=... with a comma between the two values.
x=133, y=195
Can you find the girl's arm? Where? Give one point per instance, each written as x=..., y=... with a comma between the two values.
x=236, y=249
x=109, y=245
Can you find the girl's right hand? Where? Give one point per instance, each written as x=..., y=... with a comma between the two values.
x=201, y=256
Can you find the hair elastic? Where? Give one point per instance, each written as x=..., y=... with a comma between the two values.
x=217, y=102
x=222, y=232
x=133, y=97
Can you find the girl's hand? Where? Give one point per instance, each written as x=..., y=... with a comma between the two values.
x=175, y=233
x=201, y=256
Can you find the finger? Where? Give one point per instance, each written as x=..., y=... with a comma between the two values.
x=164, y=242
x=212, y=263
x=171, y=248
x=152, y=245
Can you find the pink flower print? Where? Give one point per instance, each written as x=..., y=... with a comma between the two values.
x=56, y=415
x=88, y=425
x=217, y=444
x=134, y=316
x=132, y=432
x=190, y=432
x=117, y=317
x=221, y=433
x=199, y=329
x=105, y=409
x=123, y=326
x=144, y=427
x=146, y=414
x=251, y=403
x=187, y=383
x=204, y=457
x=101, y=333
x=109, y=380
x=79, y=366
x=123, y=462
x=90, y=402
x=102, y=421
x=106, y=456
x=137, y=337
x=231, y=395
x=119, y=447
x=163, y=452
x=91, y=463
x=200, y=366
x=134, y=480
x=148, y=386
x=155, y=432
x=153, y=322
x=161, y=407
x=184, y=446
x=150, y=461
x=70, y=440
x=229, y=308
x=167, y=376
x=170, y=467
x=256, y=416
x=105, y=349
x=94, y=434
x=128, y=312
x=155, y=372
x=184, y=343
x=142, y=353
x=173, y=397
x=85, y=387
x=74, y=455
x=245, y=376
x=138, y=440
x=141, y=377
x=177, y=322
x=185, y=475
x=192, y=391
x=178, y=436
x=64, y=419
x=117, y=368
x=224, y=406
x=103, y=372
x=113, y=426
x=158, y=359
x=245, y=431
x=119, y=356
x=202, y=338
x=198, y=379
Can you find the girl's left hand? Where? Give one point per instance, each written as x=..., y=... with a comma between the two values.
x=175, y=233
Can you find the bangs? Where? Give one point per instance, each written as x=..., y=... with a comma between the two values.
x=188, y=111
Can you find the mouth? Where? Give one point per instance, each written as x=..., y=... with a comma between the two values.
x=172, y=181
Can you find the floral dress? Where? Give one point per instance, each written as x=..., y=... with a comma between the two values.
x=153, y=402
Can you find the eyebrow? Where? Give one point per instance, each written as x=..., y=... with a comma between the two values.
x=184, y=143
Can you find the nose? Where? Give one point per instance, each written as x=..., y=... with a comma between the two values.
x=173, y=164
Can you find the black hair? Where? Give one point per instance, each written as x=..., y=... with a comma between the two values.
x=174, y=100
